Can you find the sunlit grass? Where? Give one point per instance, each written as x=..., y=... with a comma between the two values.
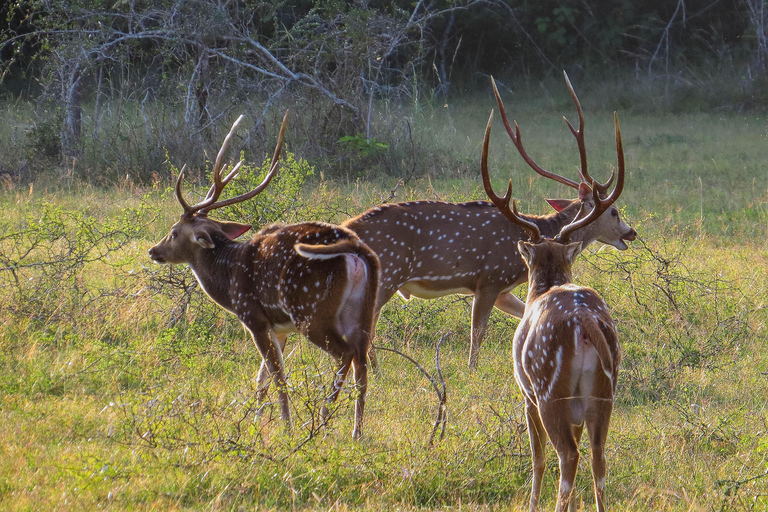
x=122, y=387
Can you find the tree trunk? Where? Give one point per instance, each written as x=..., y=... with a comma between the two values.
x=71, y=128
x=203, y=83
x=443, y=74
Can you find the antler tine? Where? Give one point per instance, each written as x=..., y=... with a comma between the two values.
x=218, y=183
x=502, y=203
x=187, y=209
x=579, y=134
x=267, y=179
x=518, y=142
x=601, y=205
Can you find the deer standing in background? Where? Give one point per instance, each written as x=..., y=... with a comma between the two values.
x=314, y=278
x=429, y=249
x=565, y=349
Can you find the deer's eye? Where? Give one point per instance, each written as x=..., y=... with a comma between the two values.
x=174, y=235
x=615, y=213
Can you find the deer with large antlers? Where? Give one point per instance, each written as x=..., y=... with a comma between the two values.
x=429, y=249
x=314, y=278
x=565, y=349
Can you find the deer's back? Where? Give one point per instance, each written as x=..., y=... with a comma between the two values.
x=441, y=247
x=556, y=348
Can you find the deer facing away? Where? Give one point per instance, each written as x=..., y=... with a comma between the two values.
x=429, y=249
x=314, y=278
x=565, y=349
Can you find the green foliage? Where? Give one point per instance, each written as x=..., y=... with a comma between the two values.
x=556, y=27
x=47, y=252
x=362, y=146
x=45, y=139
x=280, y=201
x=359, y=155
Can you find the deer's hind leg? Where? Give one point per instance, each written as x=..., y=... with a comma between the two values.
x=597, y=429
x=538, y=438
x=347, y=336
x=385, y=293
x=347, y=352
x=560, y=429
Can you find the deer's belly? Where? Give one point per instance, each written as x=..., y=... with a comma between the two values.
x=284, y=328
x=431, y=288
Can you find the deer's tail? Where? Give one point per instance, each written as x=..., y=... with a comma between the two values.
x=325, y=252
x=359, y=256
x=591, y=330
x=350, y=246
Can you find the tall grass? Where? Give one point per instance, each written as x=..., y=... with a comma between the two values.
x=123, y=387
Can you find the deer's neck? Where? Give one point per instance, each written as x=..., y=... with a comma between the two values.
x=541, y=280
x=212, y=269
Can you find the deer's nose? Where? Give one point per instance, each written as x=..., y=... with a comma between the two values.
x=154, y=256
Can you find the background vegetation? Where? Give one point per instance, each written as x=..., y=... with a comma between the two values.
x=123, y=387
x=118, y=88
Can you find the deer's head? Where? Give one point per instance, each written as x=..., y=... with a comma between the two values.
x=555, y=256
x=608, y=228
x=195, y=232
x=189, y=236
x=549, y=261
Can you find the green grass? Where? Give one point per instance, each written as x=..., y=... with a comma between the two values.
x=123, y=387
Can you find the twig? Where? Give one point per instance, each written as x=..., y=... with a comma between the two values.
x=441, y=419
x=393, y=192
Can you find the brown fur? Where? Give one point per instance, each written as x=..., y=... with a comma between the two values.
x=429, y=249
x=274, y=290
x=566, y=358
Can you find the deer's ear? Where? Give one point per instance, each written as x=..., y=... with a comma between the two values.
x=572, y=250
x=559, y=204
x=526, y=251
x=203, y=239
x=585, y=193
x=234, y=229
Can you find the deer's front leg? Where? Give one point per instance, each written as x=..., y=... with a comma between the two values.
x=272, y=355
x=338, y=381
x=262, y=379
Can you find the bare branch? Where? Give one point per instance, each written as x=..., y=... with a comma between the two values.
x=441, y=418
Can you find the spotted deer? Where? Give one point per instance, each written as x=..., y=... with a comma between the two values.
x=429, y=249
x=565, y=349
x=314, y=278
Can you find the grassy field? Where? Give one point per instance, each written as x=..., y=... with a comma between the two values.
x=123, y=387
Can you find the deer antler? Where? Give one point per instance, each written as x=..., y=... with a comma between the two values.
x=579, y=134
x=601, y=205
x=502, y=203
x=518, y=142
x=219, y=182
